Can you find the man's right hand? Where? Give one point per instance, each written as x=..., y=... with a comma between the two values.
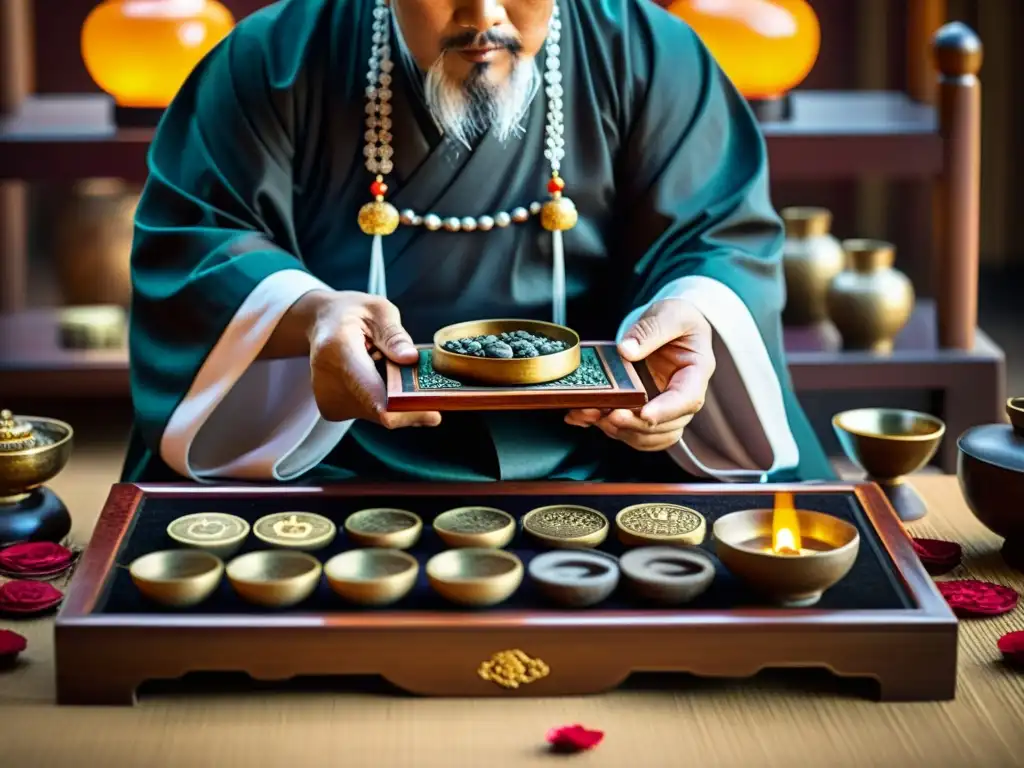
x=346, y=326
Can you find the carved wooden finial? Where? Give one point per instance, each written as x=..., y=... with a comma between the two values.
x=958, y=50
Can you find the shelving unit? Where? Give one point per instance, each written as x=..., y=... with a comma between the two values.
x=831, y=135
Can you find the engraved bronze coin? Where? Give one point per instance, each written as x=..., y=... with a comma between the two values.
x=215, y=532
x=567, y=525
x=295, y=530
x=475, y=527
x=659, y=523
x=384, y=527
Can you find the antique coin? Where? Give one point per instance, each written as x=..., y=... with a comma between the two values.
x=216, y=532
x=660, y=523
x=475, y=527
x=384, y=527
x=567, y=525
x=295, y=530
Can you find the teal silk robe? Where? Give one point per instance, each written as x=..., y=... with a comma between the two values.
x=256, y=174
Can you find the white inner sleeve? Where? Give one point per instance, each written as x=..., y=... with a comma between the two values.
x=742, y=433
x=249, y=419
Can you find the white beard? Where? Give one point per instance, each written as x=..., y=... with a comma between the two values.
x=466, y=111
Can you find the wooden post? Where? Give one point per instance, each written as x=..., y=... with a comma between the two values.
x=958, y=54
x=924, y=17
x=16, y=82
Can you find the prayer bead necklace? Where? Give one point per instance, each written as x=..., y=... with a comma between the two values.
x=380, y=218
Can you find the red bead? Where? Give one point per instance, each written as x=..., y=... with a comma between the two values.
x=378, y=189
x=556, y=184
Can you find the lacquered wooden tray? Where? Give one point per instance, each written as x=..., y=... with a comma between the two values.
x=615, y=383
x=885, y=621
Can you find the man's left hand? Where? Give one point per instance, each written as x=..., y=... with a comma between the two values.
x=674, y=339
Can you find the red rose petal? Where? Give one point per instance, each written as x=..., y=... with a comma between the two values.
x=938, y=556
x=11, y=644
x=1011, y=645
x=970, y=597
x=34, y=556
x=28, y=596
x=574, y=738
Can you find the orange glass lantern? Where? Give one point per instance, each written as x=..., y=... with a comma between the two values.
x=765, y=47
x=140, y=52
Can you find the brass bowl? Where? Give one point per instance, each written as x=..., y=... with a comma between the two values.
x=511, y=372
x=372, y=576
x=567, y=526
x=743, y=544
x=179, y=578
x=384, y=528
x=301, y=531
x=275, y=578
x=475, y=577
x=218, y=533
x=475, y=527
x=888, y=443
x=33, y=450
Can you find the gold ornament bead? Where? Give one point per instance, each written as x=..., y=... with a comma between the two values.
x=558, y=214
x=378, y=218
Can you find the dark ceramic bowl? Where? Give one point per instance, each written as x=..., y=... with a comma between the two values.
x=990, y=467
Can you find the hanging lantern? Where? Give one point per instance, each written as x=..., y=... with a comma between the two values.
x=765, y=47
x=140, y=52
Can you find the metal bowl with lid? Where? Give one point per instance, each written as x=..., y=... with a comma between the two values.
x=33, y=450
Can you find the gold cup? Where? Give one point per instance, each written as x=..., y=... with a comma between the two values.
x=743, y=542
x=276, y=578
x=33, y=450
x=475, y=577
x=889, y=443
x=179, y=578
x=475, y=527
x=511, y=372
x=372, y=576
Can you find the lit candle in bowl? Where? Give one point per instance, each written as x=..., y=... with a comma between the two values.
x=790, y=555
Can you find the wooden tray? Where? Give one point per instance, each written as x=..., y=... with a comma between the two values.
x=885, y=621
x=408, y=388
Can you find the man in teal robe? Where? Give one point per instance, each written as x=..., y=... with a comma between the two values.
x=260, y=289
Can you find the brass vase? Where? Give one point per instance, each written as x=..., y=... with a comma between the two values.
x=870, y=301
x=811, y=258
x=94, y=241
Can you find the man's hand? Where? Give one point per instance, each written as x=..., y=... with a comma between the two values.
x=347, y=327
x=674, y=339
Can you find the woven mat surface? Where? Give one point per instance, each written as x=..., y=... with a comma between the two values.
x=776, y=721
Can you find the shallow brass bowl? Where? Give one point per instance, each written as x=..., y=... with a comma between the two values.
x=512, y=372
x=474, y=576
x=475, y=527
x=24, y=469
x=275, y=578
x=888, y=443
x=743, y=544
x=372, y=576
x=187, y=531
x=177, y=577
x=384, y=528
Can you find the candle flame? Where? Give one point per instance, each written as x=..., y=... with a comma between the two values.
x=785, y=526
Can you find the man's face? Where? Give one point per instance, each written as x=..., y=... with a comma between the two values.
x=473, y=40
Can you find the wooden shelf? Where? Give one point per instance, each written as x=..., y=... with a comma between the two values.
x=831, y=135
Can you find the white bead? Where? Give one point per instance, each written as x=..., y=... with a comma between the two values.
x=451, y=224
x=432, y=222
x=519, y=215
x=408, y=216
x=468, y=223
x=534, y=207
x=417, y=220
x=502, y=219
x=485, y=223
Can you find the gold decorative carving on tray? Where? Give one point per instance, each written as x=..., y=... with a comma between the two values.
x=513, y=668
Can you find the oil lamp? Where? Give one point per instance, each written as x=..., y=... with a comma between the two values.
x=33, y=450
x=765, y=47
x=140, y=52
x=789, y=555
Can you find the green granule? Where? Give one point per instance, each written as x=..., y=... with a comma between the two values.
x=589, y=374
